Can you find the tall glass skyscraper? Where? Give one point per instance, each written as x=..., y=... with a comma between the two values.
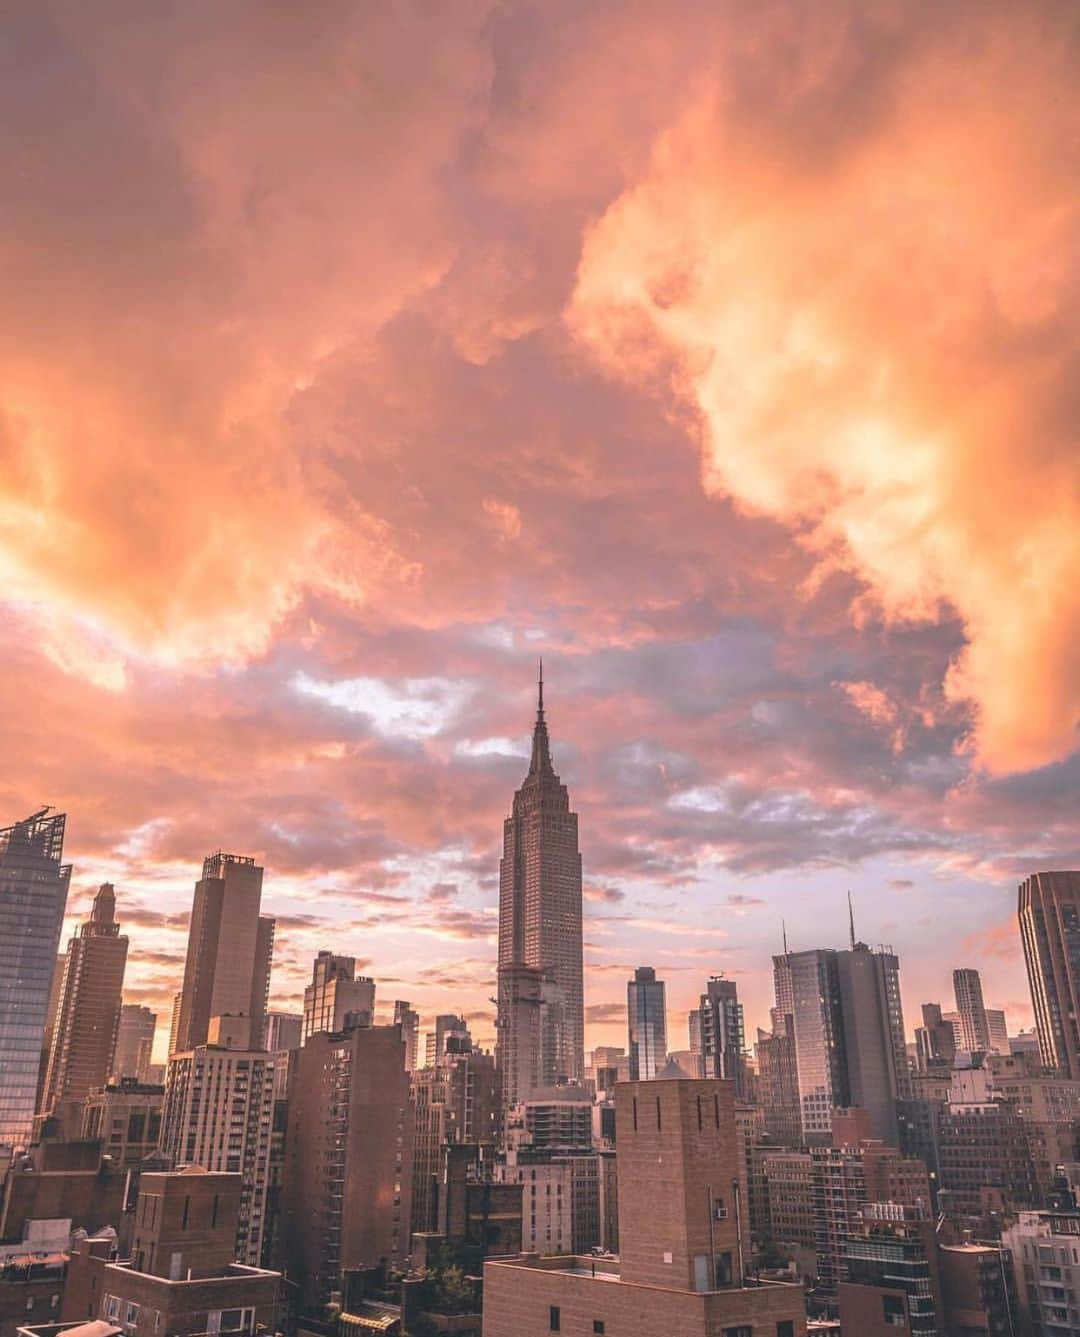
x=646, y=1014
x=33, y=897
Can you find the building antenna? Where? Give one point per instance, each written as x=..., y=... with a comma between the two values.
x=851, y=920
x=783, y=931
x=540, y=702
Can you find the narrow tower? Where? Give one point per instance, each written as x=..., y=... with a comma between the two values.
x=541, y=1022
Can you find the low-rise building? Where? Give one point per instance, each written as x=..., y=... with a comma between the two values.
x=180, y=1279
x=125, y=1117
x=682, y=1265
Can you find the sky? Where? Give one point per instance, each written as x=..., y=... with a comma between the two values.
x=353, y=356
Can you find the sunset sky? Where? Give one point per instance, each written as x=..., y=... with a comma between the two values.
x=355, y=355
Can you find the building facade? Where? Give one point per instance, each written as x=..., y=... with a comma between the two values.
x=347, y=1185
x=1049, y=914
x=722, y=1032
x=218, y=1114
x=133, y=1054
x=33, y=897
x=337, y=999
x=88, y=1012
x=230, y=946
x=646, y=1015
x=974, y=1025
x=540, y=917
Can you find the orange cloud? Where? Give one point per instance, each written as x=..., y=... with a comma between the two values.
x=875, y=324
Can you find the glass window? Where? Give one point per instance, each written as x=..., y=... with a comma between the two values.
x=554, y=1319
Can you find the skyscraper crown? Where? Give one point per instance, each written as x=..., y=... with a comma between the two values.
x=540, y=762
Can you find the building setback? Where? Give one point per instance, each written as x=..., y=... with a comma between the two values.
x=347, y=1182
x=33, y=897
x=230, y=945
x=336, y=998
x=88, y=1013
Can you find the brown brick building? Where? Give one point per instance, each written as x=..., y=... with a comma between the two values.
x=347, y=1181
x=181, y=1278
x=682, y=1231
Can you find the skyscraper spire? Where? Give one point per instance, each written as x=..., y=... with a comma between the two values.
x=540, y=763
x=851, y=921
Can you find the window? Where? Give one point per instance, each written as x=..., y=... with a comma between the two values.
x=554, y=1319
x=743, y=1330
x=598, y=1325
x=785, y=1328
x=187, y=1209
x=894, y=1310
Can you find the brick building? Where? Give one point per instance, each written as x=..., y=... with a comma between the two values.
x=180, y=1278
x=681, y=1231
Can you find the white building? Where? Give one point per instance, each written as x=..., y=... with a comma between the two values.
x=219, y=1113
x=1045, y=1248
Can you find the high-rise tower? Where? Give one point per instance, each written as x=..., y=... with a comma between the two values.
x=33, y=896
x=969, y=1003
x=540, y=949
x=230, y=945
x=646, y=1015
x=1049, y=912
x=84, y=1035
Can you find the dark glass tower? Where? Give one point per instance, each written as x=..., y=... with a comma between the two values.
x=33, y=897
x=646, y=1015
x=540, y=950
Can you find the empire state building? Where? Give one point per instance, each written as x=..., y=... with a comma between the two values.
x=541, y=1023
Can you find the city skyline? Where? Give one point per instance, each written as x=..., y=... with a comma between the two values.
x=296, y=490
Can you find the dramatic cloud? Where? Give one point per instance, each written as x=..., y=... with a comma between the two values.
x=354, y=357
x=856, y=260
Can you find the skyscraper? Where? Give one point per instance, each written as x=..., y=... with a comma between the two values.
x=33, y=896
x=1049, y=913
x=337, y=997
x=723, y=1037
x=88, y=1015
x=347, y=1188
x=134, y=1043
x=227, y=971
x=850, y=1047
x=646, y=1015
x=969, y=1003
x=540, y=912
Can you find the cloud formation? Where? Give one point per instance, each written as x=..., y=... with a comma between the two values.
x=353, y=357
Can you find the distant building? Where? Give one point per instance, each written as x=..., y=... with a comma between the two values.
x=1049, y=914
x=88, y=1013
x=337, y=997
x=133, y=1054
x=33, y=897
x=284, y=1030
x=230, y=946
x=681, y=1237
x=646, y=1013
x=451, y=1033
x=969, y=1003
x=540, y=929
x=125, y=1117
x=348, y=1158
x=998, y=1030
x=409, y=1021
x=848, y=1024
x=935, y=1039
x=722, y=1031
